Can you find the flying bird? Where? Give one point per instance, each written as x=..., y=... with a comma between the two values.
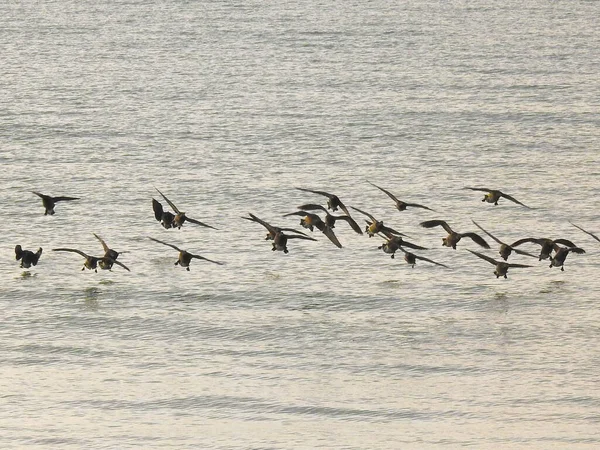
x=310, y=221
x=185, y=257
x=548, y=245
x=558, y=260
x=272, y=230
x=110, y=255
x=394, y=243
x=333, y=201
x=400, y=205
x=453, y=237
x=330, y=219
x=586, y=232
x=501, y=266
x=49, y=202
x=411, y=259
x=27, y=257
x=277, y=234
x=91, y=262
x=493, y=195
x=170, y=220
x=376, y=226
x=505, y=249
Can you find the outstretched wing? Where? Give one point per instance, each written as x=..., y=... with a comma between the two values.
x=431, y=261
x=365, y=213
x=482, y=189
x=326, y=194
x=169, y=202
x=416, y=205
x=206, y=259
x=61, y=198
x=436, y=223
x=388, y=193
x=511, y=265
x=42, y=196
x=197, y=222
x=586, y=232
x=119, y=263
x=512, y=199
x=564, y=242
x=488, y=233
x=524, y=240
x=158, y=209
x=351, y=222
x=411, y=245
x=477, y=239
x=164, y=243
x=482, y=256
x=269, y=227
x=104, y=246
x=332, y=237
x=312, y=207
x=387, y=230
x=72, y=250
x=299, y=236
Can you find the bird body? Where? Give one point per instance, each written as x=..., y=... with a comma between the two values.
x=493, y=195
x=27, y=257
x=170, y=220
x=453, y=237
x=400, y=205
x=49, y=202
x=185, y=257
x=502, y=267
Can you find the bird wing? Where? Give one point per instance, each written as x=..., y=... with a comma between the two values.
x=164, y=243
x=119, y=263
x=293, y=230
x=512, y=199
x=158, y=209
x=388, y=193
x=478, y=189
x=197, y=222
x=104, y=246
x=206, y=259
x=270, y=228
x=61, y=198
x=326, y=194
x=385, y=229
x=169, y=202
x=73, y=250
x=524, y=240
x=564, y=242
x=416, y=205
x=431, y=261
x=312, y=207
x=436, y=223
x=43, y=196
x=299, y=236
x=351, y=222
x=411, y=245
x=365, y=213
x=332, y=237
x=482, y=256
x=341, y=205
x=488, y=233
x=477, y=239
x=297, y=213
x=577, y=250
x=511, y=265
x=587, y=232
x=521, y=252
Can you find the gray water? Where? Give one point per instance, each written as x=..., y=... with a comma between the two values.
x=227, y=107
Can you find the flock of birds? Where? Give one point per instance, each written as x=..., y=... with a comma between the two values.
x=556, y=250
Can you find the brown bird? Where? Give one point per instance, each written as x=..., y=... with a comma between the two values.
x=400, y=205
x=505, y=249
x=185, y=257
x=272, y=230
x=330, y=219
x=27, y=257
x=493, y=195
x=310, y=221
x=110, y=255
x=178, y=218
x=411, y=259
x=333, y=201
x=501, y=266
x=586, y=232
x=558, y=260
x=376, y=226
x=394, y=243
x=91, y=262
x=453, y=237
x=49, y=202
x=546, y=243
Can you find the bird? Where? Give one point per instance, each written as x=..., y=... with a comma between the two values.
x=49, y=202
x=27, y=257
x=587, y=232
x=310, y=221
x=185, y=257
x=272, y=230
x=376, y=226
x=277, y=234
x=400, y=205
x=546, y=244
x=394, y=243
x=501, y=266
x=453, y=237
x=110, y=255
x=333, y=201
x=505, y=249
x=330, y=219
x=170, y=220
x=91, y=262
x=411, y=259
x=493, y=195
x=558, y=260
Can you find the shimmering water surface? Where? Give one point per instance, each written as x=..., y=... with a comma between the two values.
x=226, y=107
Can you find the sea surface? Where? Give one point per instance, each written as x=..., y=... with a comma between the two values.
x=226, y=107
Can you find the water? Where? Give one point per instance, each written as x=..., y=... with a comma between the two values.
x=226, y=107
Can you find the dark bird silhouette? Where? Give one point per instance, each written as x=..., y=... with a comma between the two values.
x=394, y=243
x=411, y=259
x=333, y=201
x=185, y=257
x=493, y=195
x=170, y=220
x=49, y=202
x=548, y=245
x=453, y=237
x=312, y=221
x=400, y=205
x=330, y=219
x=586, y=232
x=376, y=226
x=27, y=257
x=501, y=266
x=110, y=255
x=505, y=249
x=558, y=260
x=273, y=230
x=91, y=262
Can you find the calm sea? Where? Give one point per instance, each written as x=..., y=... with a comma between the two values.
x=227, y=107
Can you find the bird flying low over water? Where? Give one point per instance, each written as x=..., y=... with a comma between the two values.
x=548, y=245
x=330, y=219
x=493, y=195
x=505, y=249
x=49, y=202
x=453, y=237
x=400, y=205
x=586, y=232
x=558, y=260
x=394, y=243
x=501, y=266
x=277, y=234
x=376, y=226
x=27, y=257
x=110, y=255
x=411, y=259
x=333, y=201
x=91, y=262
x=310, y=221
x=170, y=220
x=185, y=257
